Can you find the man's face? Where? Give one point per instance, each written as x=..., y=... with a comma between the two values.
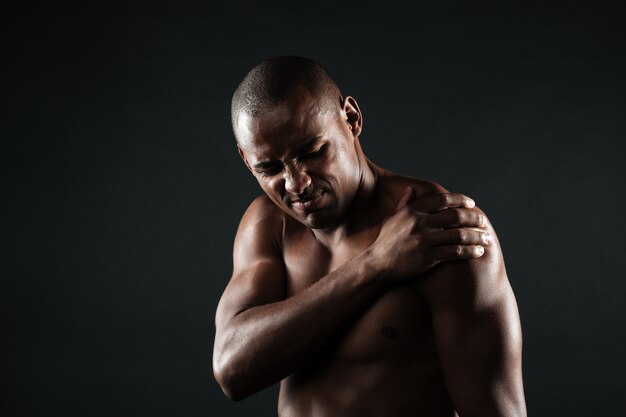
x=303, y=157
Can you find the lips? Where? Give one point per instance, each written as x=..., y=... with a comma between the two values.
x=309, y=201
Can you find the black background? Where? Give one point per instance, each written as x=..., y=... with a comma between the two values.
x=122, y=189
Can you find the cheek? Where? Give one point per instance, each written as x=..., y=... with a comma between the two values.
x=325, y=169
x=345, y=161
x=346, y=171
x=270, y=187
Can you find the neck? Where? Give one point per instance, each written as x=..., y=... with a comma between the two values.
x=363, y=210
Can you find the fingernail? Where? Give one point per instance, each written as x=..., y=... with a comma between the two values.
x=481, y=250
x=470, y=202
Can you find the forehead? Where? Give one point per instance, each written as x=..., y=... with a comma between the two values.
x=277, y=132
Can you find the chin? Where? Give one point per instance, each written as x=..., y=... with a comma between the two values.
x=319, y=220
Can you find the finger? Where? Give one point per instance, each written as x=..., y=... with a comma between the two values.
x=432, y=203
x=462, y=236
x=448, y=253
x=455, y=217
x=406, y=198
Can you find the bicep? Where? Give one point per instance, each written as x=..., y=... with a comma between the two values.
x=478, y=335
x=259, y=275
x=260, y=283
x=480, y=352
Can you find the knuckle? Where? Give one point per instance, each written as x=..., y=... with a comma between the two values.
x=458, y=250
x=464, y=217
x=445, y=199
x=457, y=216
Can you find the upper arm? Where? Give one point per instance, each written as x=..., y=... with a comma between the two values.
x=258, y=269
x=478, y=334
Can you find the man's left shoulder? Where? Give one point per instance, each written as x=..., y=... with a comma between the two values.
x=479, y=281
x=394, y=185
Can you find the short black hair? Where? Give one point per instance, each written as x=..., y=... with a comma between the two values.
x=269, y=83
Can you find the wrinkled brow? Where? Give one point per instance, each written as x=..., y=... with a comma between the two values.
x=307, y=146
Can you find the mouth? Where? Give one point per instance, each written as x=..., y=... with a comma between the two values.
x=309, y=201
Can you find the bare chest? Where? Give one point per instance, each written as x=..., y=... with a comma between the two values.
x=397, y=321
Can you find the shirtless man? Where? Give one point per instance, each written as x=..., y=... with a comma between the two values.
x=363, y=292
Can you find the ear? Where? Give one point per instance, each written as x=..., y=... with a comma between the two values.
x=243, y=156
x=354, y=118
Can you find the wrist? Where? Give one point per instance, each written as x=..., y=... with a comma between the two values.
x=375, y=266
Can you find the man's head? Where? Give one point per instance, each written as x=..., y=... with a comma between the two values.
x=268, y=84
x=299, y=138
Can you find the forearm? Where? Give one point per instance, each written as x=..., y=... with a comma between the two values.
x=261, y=345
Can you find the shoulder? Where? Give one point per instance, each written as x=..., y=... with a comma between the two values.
x=392, y=187
x=395, y=183
x=477, y=282
x=262, y=212
x=260, y=228
x=471, y=284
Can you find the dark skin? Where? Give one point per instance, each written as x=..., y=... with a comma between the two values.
x=363, y=292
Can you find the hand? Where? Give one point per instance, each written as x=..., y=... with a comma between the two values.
x=432, y=229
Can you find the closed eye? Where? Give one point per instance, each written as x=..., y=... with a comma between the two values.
x=269, y=171
x=315, y=154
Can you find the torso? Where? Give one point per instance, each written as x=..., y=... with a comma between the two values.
x=385, y=363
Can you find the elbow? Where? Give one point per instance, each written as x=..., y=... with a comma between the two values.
x=232, y=382
x=231, y=390
x=232, y=393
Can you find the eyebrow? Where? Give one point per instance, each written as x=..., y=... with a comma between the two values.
x=304, y=148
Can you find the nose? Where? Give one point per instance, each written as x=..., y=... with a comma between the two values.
x=296, y=180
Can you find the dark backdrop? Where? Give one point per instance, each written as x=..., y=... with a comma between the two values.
x=123, y=190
